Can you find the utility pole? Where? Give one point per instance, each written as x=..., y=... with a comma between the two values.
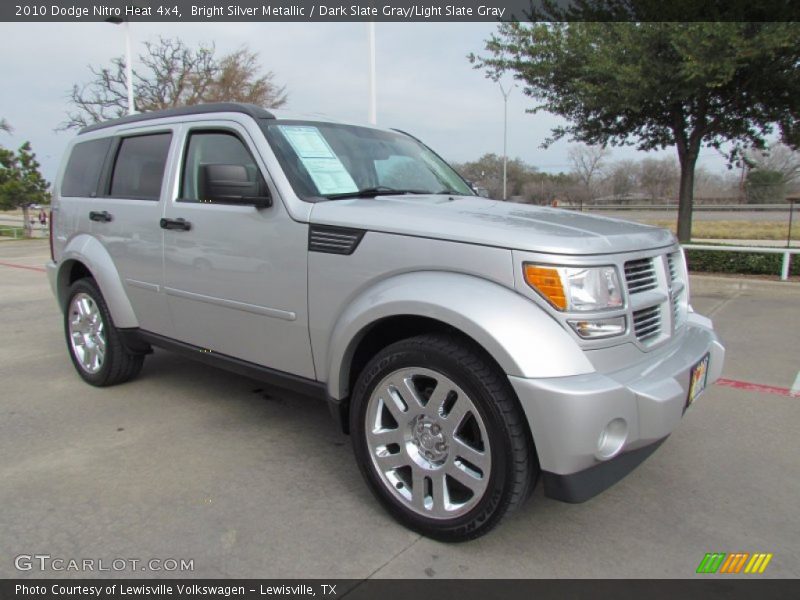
x=505, y=137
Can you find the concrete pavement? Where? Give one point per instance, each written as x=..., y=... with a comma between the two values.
x=189, y=462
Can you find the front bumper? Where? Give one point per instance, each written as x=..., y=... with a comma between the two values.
x=591, y=430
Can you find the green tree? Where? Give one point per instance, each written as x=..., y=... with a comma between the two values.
x=765, y=186
x=169, y=74
x=21, y=183
x=658, y=84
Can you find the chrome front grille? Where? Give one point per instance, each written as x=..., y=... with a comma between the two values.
x=640, y=275
x=676, y=308
x=678, y=289
x=647, y=323
x=656, y=301
x=672, y=263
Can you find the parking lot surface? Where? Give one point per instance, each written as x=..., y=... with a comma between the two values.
x=190, y=462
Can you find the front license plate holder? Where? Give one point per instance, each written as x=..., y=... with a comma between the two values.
x=697, y=379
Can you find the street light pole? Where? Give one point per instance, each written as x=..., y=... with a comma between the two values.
x=129, y=67
x=373, y=109
x=128, y=59
x=505, y=138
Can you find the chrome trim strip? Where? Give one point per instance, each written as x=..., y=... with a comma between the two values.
x=243, y=306
x=150, y=287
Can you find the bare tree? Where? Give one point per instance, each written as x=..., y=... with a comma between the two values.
x=622, y=179
x=708, y=184
x=587, y=162
x=659, y=178
x=4, y=126
x=171, y=74
x=779, y=158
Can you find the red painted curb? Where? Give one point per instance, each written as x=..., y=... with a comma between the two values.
x=12, y=265
x=756, y=387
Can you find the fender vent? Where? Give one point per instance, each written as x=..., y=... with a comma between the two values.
x=333, y=240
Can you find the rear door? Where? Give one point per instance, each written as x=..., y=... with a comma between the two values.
x=235, y=275
x=125, y=218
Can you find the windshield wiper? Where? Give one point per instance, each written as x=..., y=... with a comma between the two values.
x=371, y=192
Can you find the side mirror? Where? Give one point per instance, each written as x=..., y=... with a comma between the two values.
x=232, y=184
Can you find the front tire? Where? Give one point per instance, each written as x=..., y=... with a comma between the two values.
x=440, y=438
x=94, y=343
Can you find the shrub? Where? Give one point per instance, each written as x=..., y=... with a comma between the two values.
x=748, y=263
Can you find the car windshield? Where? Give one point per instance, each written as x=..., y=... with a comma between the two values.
x=331, y=161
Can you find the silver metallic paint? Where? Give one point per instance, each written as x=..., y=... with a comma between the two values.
x=567, y=415
x=454, y=259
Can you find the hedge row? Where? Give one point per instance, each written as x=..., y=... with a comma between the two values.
x=9, y=231
x=711, y=261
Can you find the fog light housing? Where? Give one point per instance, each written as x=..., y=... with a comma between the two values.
x=593, y=329
x=612, y=439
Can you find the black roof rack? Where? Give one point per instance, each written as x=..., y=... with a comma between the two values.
x=199, y=109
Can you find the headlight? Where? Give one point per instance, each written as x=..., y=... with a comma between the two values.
x=576, y=289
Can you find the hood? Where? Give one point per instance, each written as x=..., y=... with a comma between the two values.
x=492, y=223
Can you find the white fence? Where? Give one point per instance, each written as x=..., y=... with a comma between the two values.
x=785, y=263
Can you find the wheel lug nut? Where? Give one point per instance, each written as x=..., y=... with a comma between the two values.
x=435, y=429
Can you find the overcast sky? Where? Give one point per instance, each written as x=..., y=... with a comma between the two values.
x=425, y=84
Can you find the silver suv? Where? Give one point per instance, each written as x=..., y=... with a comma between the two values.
x=468, y=346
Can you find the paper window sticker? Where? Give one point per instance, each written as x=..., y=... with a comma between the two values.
x=307, y=141
x=329, y=175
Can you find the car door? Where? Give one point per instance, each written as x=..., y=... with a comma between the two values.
x=235, y=274
x=125, y=219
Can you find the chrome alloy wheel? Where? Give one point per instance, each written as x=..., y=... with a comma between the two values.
x=87, y=333
x=428, y=443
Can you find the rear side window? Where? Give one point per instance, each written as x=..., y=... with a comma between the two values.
x=83, y=168
x=139, y=168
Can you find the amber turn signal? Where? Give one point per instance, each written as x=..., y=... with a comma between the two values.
x=547, y=282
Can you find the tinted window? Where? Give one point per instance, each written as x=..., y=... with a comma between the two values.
x=139, y=168
x=217, y=151
x=83, y=168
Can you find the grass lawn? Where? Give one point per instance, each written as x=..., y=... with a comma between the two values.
x=734, y=230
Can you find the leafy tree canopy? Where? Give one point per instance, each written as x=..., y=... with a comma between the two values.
x=654, y=85
x=21, y=183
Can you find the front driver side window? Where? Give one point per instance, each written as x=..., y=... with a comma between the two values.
x=216, y=151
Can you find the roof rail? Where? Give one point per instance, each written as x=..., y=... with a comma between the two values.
x=252, y=110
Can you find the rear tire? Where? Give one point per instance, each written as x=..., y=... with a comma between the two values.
x=440, y=437
x=94, y=343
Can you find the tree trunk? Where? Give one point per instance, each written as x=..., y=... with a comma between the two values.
x=688, y=160
x=26, y=222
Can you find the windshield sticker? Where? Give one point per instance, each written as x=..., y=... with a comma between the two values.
x=326, y=170
x=307, y=141
x=329, y=175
